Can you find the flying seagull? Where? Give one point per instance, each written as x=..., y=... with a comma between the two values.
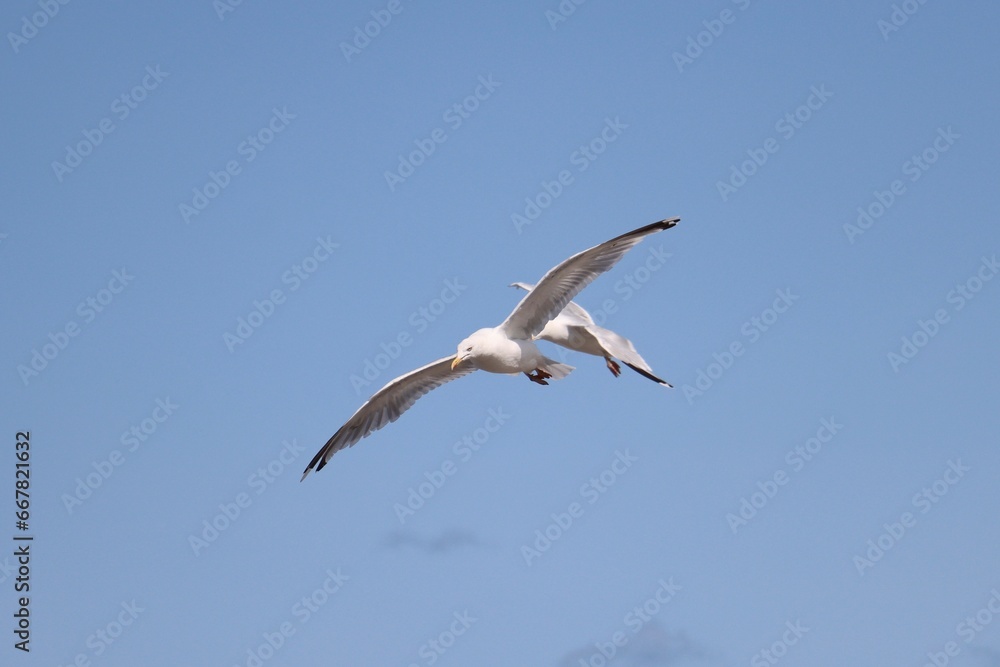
x=575, y=329
x=507, y=348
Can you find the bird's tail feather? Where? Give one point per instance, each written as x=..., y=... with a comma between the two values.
x=555, y=369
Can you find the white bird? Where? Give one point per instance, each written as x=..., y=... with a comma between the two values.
x=508, y=348
x=575, y=329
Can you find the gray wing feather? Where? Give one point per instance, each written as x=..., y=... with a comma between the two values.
x=558, y=287
x=575, y=313
x=386, y=406
x=620, y=347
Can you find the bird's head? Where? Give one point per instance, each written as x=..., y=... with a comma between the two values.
x=469, y=348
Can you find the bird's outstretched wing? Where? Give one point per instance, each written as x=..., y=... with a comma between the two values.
x=579, y=323
x=573, y=312
x=620, y=347
x=558, y=287
x=387, y=404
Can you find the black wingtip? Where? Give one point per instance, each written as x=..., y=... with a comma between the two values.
x=657, y=226
x=666, y=223
x=648, y=375
x=316, y=464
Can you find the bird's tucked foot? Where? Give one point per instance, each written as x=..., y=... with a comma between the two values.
x=540, y=376
x=613, y=366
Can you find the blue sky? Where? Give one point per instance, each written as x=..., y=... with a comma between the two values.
x=219, y=217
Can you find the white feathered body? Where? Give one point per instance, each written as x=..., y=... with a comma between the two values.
x=494, y=352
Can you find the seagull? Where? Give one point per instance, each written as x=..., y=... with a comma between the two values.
x=575, y=329
x=507, y=349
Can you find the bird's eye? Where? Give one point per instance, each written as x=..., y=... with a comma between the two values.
x=468, y=349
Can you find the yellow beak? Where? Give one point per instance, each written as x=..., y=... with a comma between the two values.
x=455, y=362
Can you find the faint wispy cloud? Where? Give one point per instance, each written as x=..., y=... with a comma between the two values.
x=446, y=541
x=652, y=646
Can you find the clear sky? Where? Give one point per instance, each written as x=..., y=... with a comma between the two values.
x=226, y=225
